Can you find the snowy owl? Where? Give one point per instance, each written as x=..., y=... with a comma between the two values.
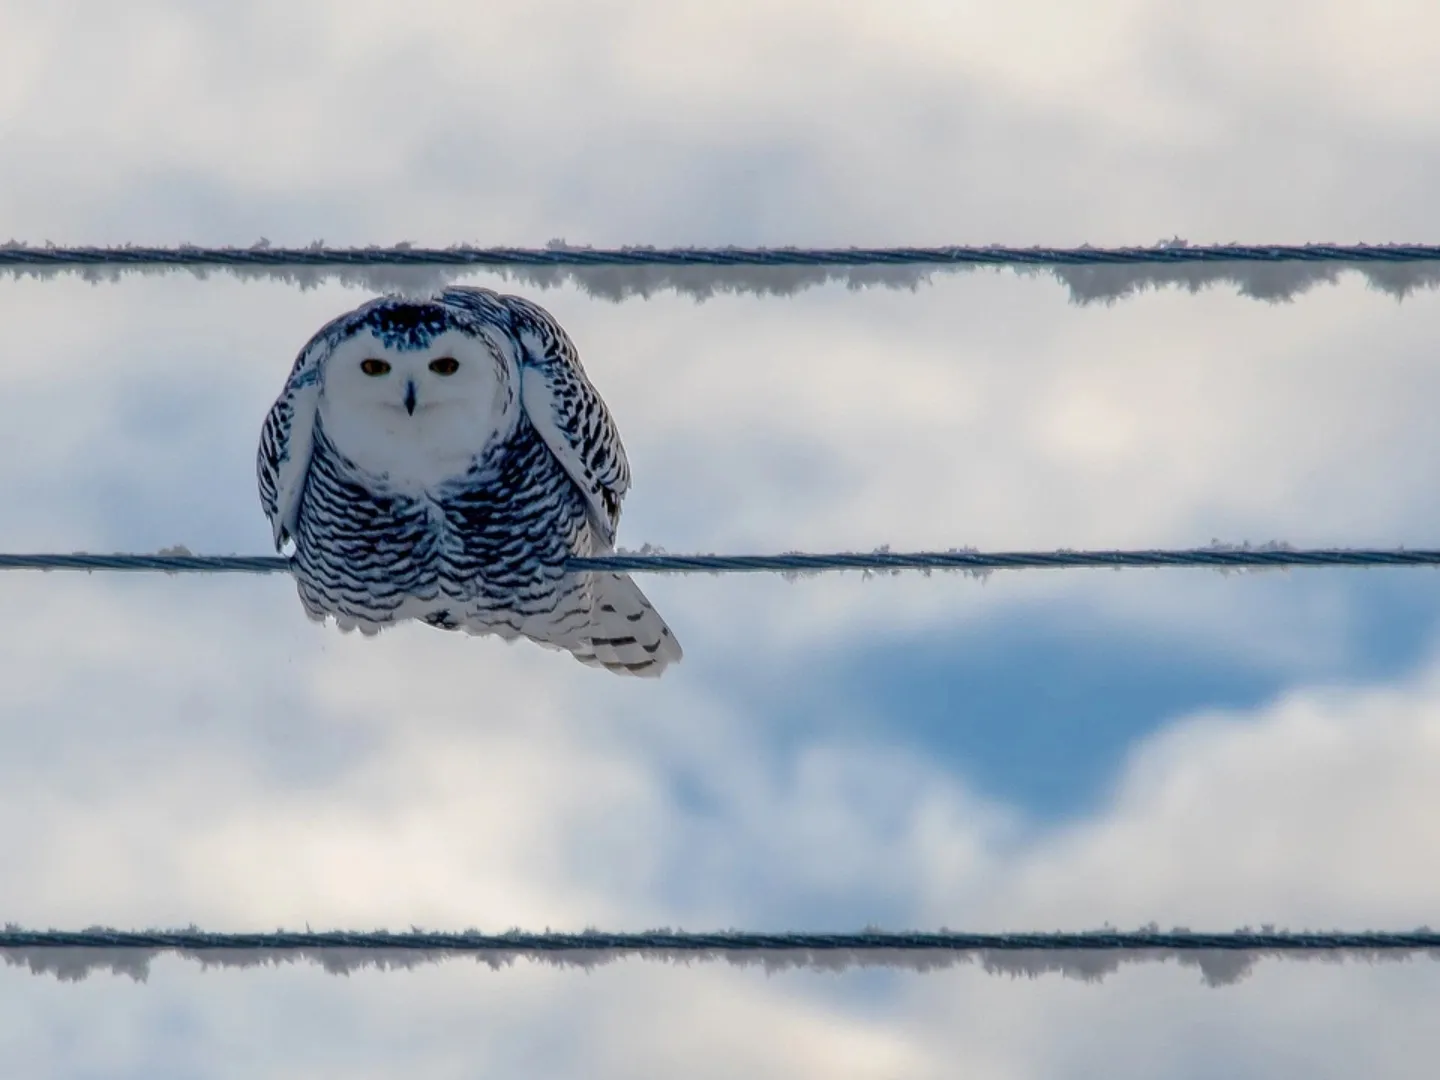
x=440, y=460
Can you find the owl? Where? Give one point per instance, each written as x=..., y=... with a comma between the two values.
x=440, y=460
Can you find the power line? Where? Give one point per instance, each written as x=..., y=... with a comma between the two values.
x=564, y=255
x=1092, y=274
x=728, y=941
x=801, y=562
x=1221, y=958
x=1218, y=558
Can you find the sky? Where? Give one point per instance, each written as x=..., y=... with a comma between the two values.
x=1027, y=751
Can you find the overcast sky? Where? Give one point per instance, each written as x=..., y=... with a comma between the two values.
x=1031, y=751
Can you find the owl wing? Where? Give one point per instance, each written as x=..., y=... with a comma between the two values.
x=568, y=413
x=286, y=441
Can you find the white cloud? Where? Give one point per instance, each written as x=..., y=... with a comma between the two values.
x=182, y=749
x=511, y=793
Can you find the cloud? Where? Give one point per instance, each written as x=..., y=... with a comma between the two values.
x=510, y=794
x=192, y=750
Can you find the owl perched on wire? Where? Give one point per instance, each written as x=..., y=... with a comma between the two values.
x=440, y=460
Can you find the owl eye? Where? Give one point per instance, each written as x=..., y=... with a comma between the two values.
x=445, y=365
x=374, y=367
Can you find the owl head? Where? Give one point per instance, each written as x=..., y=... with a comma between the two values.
x=414, y=389
x=407, y=363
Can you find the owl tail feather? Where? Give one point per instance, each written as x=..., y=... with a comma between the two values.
x=625, y=634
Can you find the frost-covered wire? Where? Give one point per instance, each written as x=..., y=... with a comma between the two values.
x=1268, y=272
x=1222, y=958
x=1271, y=556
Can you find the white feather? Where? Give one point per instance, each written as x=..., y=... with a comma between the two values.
x=294, y=460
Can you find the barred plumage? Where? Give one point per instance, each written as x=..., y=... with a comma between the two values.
x=440, y=460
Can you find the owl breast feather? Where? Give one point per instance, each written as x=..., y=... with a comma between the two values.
x=495, y=538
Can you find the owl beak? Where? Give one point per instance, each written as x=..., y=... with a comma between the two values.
x=410, y=398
